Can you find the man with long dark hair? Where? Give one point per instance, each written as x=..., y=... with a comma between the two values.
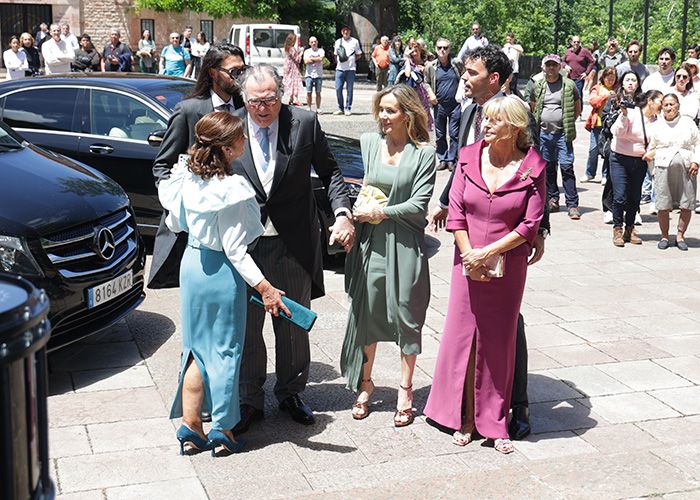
x=216, y=89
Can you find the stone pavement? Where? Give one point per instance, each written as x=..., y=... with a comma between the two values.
x=614, y=339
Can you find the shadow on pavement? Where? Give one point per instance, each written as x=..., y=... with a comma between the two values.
x=110, y=359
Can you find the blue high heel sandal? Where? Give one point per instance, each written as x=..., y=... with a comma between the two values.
x=186, y=435
x=218, y=438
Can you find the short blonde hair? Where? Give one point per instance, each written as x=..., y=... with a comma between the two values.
x=409, y=102
x=514, y=112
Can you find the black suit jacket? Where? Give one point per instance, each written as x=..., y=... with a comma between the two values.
x=169, y=247
x=465, y=124
x=291, y=205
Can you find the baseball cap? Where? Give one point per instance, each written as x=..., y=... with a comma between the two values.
x=693, y=61
x=551, y=58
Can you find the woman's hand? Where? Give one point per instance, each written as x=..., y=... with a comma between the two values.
x=649, y=155
x=479, y=274
x=474, y=258
x=372, y=216
x=693, y=169
x=272, y=298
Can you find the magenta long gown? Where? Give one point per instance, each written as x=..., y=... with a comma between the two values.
x=488, y=310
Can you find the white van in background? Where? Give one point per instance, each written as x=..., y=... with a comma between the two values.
x=263, y=43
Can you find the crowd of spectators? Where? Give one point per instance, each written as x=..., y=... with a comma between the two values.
x=55, y=49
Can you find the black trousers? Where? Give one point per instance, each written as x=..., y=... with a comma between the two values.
x=519, y=395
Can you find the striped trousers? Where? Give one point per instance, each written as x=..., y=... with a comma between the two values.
x=292, y=355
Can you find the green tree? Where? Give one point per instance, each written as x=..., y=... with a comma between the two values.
x=268, y=9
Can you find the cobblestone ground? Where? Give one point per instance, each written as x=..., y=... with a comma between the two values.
x=614, y=344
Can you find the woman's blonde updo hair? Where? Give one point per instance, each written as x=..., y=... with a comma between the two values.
x=409, y=102
x=515, y=113
x=213, y=132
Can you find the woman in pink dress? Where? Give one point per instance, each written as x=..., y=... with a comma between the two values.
x=292, y=76
x=496, y=204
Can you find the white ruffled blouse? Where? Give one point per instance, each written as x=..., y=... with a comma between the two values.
x=220, y=214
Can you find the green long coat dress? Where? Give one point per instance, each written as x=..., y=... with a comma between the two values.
x=386, y=272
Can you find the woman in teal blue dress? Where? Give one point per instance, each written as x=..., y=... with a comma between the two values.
x=386, y=272
x=219, y=212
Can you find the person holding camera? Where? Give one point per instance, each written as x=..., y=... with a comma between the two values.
x=87, y=59
x=630, y=140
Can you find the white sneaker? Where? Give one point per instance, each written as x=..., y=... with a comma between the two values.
x=637, y=219
x=607, y=217
x=348, y=112
x=588, y=178
x=603, y=181
x=338, y=113
x=697, y=209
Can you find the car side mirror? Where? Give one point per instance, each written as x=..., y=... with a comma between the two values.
x=156, y=137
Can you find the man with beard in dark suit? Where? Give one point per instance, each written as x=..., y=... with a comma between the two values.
x=486, y=70
x=283, y=144
x=216, y=89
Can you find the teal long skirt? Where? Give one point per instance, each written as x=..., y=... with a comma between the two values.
x=213, y=307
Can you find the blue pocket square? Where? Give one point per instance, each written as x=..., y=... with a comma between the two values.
x=301, y=316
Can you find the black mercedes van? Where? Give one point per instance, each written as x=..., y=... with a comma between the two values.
x=70, y=230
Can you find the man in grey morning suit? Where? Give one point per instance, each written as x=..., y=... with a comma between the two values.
x=283, y=143
x=486, y=70
x=216, y=88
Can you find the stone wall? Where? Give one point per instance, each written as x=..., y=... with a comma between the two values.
x=98, y=17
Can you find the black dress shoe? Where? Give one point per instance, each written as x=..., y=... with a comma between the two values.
x=298, y=410
x=450, y=166
x=249, y=414
x=519, y=427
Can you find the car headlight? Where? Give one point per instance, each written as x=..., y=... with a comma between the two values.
x=16, y=258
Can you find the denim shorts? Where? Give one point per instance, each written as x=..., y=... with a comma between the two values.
x=313, y=82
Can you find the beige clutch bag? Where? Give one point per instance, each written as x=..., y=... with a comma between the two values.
x=495, y=267
x=369, y=198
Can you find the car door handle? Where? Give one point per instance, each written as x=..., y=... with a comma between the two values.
x=101, y=149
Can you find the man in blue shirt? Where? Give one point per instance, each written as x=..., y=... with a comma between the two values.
x=443, y=75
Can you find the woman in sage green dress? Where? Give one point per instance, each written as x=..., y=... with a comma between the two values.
x=386, y=272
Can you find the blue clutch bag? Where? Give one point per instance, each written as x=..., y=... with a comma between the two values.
x=303, y=317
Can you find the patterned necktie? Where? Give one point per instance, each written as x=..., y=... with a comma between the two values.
x=263, y=136
x=225, y=107
x=477, y=124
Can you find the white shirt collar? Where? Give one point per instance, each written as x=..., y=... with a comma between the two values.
x=217, y=101
x=255, y=128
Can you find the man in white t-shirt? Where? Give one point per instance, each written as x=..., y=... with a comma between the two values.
x=513, y=51
x=69, y=37
x=662, y=79
x=345, y=69
x=473, y=42
x=313, y=58
x=58, y=53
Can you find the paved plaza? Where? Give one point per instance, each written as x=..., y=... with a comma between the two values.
x=614, y=347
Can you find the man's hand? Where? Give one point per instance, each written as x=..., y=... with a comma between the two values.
x=437, y=219
x=342, y=231
x=537, y=250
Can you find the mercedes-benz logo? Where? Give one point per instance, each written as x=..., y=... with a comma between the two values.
x=104, y=243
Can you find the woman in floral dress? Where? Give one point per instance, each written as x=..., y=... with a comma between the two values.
x=292, y=76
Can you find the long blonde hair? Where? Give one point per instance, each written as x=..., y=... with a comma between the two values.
x=409, y=102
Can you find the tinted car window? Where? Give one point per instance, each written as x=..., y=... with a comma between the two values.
x=41, y=109
x=120, y=116
x=168, y=94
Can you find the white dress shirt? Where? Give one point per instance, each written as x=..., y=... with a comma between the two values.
x=217, y=101
x=266, y=176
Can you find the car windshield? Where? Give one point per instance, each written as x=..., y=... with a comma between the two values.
x=168, y=93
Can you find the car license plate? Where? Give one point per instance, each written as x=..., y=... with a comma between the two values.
x=112, y=289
